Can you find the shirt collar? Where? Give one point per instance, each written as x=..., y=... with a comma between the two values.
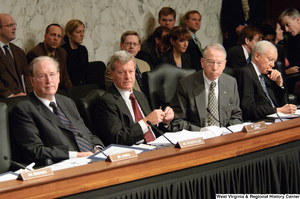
x=256, y=69
x=245, y=52
x=125, y=94
x=45, y=101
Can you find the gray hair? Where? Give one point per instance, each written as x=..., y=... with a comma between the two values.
x=292, y=13
x=215, y=46
x=122, y=56
x=41, y=58
x=262, y=47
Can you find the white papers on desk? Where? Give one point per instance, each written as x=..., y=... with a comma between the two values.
x=69, y=163
x=8, y=176
x=285, y=116
x=205, y=133
x=116, y=148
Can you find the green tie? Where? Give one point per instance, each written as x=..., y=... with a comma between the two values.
x=213, y=117
x=199, y=45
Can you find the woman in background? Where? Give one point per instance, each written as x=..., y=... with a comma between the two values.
x=174, y=46
x=77, y=59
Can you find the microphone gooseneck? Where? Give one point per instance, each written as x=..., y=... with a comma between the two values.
x=207, y=109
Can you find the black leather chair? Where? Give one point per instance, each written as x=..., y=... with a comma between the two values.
x=86, y=107
x=159, y=85
x=81, y=91
x=4, y=139
x=97, y=73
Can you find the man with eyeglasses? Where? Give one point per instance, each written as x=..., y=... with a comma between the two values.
x=14, y=75
x=131, y=42
x=261, y=88
x=51, y=47
x=46, y=124
x=208, y=97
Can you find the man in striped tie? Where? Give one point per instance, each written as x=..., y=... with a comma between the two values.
x=46, y=124
x=261, y=87
x=122, y=112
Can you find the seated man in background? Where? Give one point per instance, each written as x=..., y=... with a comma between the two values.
x=208, y=97
x=166, y=18
x=192, y=20
x=122, y=112
x=261, y=88
x=151, y=51
x=240, y=55
x=50, y=47
x=46, y=124
x=131, y=42
x=14, y=75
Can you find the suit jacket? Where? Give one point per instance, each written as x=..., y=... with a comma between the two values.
x=77, y=62
x=115, y=122
x=236, y=57
x=254, y=102
x=148, y=53
x=232, y=15
x=143, y=67
x=189, y=102
x=40, y=134
x=169, y=58
x=8, y=82
x=195, y=55
x=60, y=56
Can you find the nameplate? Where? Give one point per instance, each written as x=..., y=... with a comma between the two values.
x=255, y=127
x=121, y=156
x=189, y=143
x=29, y=175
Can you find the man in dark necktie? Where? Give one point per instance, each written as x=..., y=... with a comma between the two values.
x=14, y=75
x=131, y=42
x=46, y=124
x=208, y=97
x=51, y=47
x=122, y=112
x=261, y=88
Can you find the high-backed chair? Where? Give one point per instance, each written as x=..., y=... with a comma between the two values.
x=86, y=107
x=97, y=73
x=4, y=139
x=81, y=91
x=159, y=85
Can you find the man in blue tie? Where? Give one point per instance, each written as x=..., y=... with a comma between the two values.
x=261, y=87
x=46, y=124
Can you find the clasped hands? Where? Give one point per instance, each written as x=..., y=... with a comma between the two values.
x=158, y=116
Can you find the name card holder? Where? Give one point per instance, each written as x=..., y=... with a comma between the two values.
x=255, y=127
x=29, y=175
x=189, y=143
x=121, y=156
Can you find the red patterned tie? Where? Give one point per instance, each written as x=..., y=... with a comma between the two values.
x=138, y=116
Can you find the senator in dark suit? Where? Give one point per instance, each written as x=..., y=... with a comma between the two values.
x=11, y=83
x=255, y=103
x=50, y=47
x=115, y=113
x=38, y=132
x=191, y=96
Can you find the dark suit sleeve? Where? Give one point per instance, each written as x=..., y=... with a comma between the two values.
x=114, y=126
x=29, y=139
x=254, y=103
x=236, y=58
x=179, y=104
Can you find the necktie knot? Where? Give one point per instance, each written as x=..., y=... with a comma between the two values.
x=5, y=46
x=131, y=97
x=213, y=85
x=52, y=104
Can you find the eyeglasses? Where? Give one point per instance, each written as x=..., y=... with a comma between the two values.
x=10, y=25
x=212, y=63
x=131, y=44
x=42, y=77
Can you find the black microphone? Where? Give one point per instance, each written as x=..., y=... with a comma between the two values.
x=80, y=134
x=152, y=126
x=15, y=163
x=274, y=108
x=207, y=109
